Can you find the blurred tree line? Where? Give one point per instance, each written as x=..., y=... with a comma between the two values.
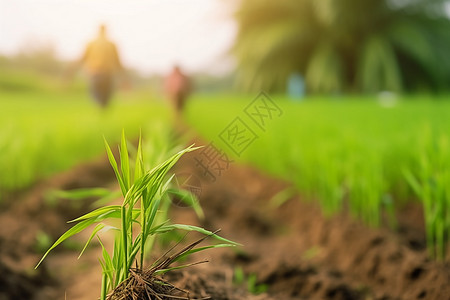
x=345, y=46
x=37, y=67
x=34, y=56
x=34, y=67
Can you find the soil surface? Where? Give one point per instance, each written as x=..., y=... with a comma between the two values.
x=289, y=252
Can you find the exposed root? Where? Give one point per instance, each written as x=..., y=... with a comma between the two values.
x=148, y=285
x=144, y=285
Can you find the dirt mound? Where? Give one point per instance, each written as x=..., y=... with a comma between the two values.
x=293, y=250
x=297, y=252
x=26, y=215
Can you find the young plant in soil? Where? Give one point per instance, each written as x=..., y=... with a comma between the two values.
x=139, y=225
x=429, y=180
x=251, y=281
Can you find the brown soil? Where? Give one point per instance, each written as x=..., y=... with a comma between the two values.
x=27, y=214
x=293, y=249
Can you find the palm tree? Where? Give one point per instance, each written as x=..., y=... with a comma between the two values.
x=344, y=46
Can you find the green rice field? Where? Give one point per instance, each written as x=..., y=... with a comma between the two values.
x=46, y=132
x=368, y=155
x=364, y=155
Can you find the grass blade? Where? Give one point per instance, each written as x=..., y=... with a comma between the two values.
x=98, y=212
x=125, y=162
x=189, y=199
x=72, y=231
x=113, y=163
x=171, y=227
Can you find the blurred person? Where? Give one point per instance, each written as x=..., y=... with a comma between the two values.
x=101, y=62
x=295, y=86
x=178, y=88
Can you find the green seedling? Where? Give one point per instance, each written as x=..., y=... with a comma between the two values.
x=138, y=219
x=389, y=209
x=43, y=242
x=253, y=286
x=283, y=196
x=366, y=190
x=430, y=182
x=311, y=253
x=251, y=281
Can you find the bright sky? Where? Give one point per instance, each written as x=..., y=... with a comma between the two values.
x=151, y=35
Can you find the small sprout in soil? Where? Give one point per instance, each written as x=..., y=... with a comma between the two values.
x=43, y=241
x=429, y=181
x=283, y=196
x=311, y=253
x=142, y=218
x=251, y=282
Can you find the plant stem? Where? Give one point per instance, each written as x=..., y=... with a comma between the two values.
x=125, y=241
x=104, y=287
x=143, y=238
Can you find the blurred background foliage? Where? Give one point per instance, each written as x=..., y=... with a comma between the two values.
x=346, y=46
x=37, y=67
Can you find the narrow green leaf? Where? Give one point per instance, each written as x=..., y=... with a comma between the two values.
x=189, y=199
x=94, y=232
x=281, y=197
x=157, y=227
x=72, y=231
x=124, y=245
x=149, y=218
x=166, y=185
x=134, y=250
x=117, y=255
x=192, y=251
x=125, y=162
x=104, y=285
x=413, y=182
x=113, y=163
x=163, y=271
x=98, y=212
x=152, y=213
x=139, y=165
x=109, y=266
x=171, y=227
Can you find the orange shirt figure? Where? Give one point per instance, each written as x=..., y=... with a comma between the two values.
x=101, y=61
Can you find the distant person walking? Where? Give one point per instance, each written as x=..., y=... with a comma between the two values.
x=178, y=88
x=102, y=63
